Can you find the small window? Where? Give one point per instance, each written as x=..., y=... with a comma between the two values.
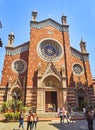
x=77, y=69
x=19, y=66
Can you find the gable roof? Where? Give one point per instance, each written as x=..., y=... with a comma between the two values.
x=51, y=70
x=48, y=22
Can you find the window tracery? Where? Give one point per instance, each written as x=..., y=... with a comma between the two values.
x=19, y=66
x=50, y=50
x=77, y=69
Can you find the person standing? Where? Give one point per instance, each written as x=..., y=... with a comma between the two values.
x=84, y=110
x=67, y=116
x=21, y=120
x=28, y=120
x=90, y=117
x=60, y=114
x=35, y=120
x=31, y=121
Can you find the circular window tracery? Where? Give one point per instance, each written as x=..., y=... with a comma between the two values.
x=50, y=50
x=77, y=69
x=19, y=66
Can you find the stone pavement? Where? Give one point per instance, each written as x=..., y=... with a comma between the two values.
x=49, y=125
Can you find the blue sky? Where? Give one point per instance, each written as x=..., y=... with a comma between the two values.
x=16, y=15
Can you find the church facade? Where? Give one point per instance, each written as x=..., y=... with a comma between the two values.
x=46, y=71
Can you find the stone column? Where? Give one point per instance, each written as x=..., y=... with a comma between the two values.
x=65, y=98
x=40, y=100
x=60, y=98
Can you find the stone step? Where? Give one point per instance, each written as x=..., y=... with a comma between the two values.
x=48, y=115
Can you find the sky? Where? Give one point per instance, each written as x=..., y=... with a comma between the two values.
x=15, y=17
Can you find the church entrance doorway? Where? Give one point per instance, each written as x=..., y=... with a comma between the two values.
x=81, y=99
x=50, y=101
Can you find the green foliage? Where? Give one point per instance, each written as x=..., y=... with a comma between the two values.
x=8, y=115
x=12, y=105
x=3, y=108
x=24, y=109
x=11, y=109
x=11, y=115
x=6, y=105
x=83, y=104
x=16, y=116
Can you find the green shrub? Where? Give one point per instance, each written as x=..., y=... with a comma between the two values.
x=83, y=104
x=8, y=115
x=16, y=116
x=12, y=105
x=11, y=115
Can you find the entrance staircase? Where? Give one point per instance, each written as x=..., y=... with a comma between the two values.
x=48, y=116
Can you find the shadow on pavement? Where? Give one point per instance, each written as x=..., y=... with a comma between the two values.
x=61, y=126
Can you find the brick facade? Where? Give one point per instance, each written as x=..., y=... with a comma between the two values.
x=36, y=77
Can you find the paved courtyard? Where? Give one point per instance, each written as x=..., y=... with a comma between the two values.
x=49, y=125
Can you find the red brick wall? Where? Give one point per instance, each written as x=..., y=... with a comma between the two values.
x=36, y=36
x=7, y=68
x=32, y=59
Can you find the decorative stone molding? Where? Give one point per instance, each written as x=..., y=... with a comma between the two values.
x=51, y=70
x=15, y=51
x=79, y=55
x=49, y=22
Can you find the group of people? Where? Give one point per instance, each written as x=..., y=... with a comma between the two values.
x=64, y=114
x=32, y=120
x=89, y=115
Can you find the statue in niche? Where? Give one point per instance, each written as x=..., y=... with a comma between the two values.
x=63, y=70
x=39, y=68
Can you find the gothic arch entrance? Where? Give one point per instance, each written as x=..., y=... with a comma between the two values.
x=50, y=101
x=52, y=85
x=50, y=94
x=81, y=97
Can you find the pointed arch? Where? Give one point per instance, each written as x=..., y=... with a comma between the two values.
x=52, y=81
